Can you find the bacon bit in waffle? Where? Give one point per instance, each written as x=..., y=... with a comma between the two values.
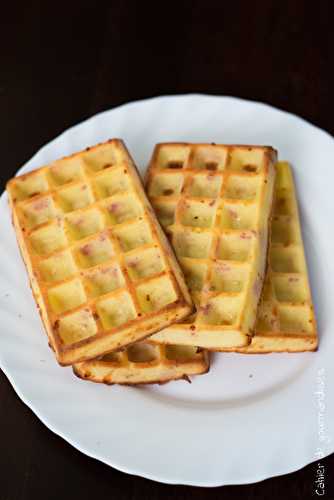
x=293, y=279
x=103, y=236
x=36, y=193
x=249, y=168
x=133, y=263
x=87, y=250
x=257, y=287
x=245, y=236
x=79, y=221
x=106, y=270
x=41, y=204
x=148, y=298
x=206, y=288
x=168, y=192
x=114, y=207
x=212, y=203
x=233, y=213
x=107, y=165
x=192, y=327
x=95, y=316
x=223, y=267
x=206, y=309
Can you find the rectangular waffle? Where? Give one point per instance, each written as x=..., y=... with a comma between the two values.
x=214, y=202
x=286, y=320
x=145, y=363
x=101, y=270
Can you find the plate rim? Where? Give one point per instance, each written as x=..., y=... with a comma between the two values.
x=250, y=480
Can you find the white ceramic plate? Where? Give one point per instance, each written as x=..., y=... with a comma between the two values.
x=251, y=417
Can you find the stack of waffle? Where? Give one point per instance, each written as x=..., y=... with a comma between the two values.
x=105, y=277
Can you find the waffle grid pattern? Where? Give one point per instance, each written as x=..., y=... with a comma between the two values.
x=210, y=200
x=96, y=254
x=145, y=362
x=286, y=319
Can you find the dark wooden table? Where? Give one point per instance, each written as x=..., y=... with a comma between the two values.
x=62, y=62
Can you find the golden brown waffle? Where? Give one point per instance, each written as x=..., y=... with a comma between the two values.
x=101, y=270
x=215, y=202
x=145, y=363
x=286, y=320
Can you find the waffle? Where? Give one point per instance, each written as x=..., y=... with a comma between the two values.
x=101, y=269
x=214, y=202
x=286, y=320
x=145, y=362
